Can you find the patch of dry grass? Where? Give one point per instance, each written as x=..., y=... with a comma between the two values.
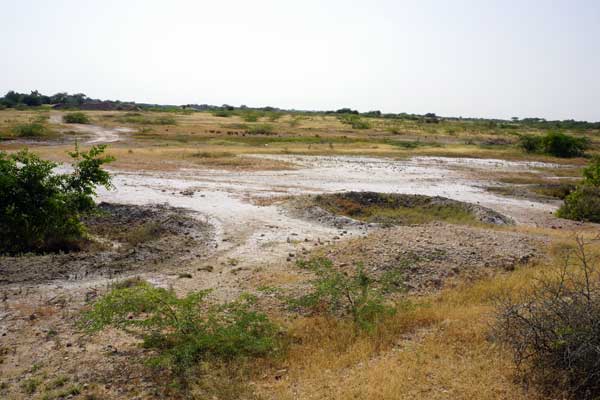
x=438, y=349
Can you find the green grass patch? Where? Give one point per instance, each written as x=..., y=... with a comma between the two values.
x=393, y=209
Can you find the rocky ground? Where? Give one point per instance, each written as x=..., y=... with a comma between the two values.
x=433, y=256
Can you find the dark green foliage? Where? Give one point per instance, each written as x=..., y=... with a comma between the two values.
x=76, y=118
x=555, y=144
x=583, y=204
x=530, y=143
x=40, y=210
x=357, y=296
x=184, y=331
x=591, y=173
x=554, y=329
x=562, y=145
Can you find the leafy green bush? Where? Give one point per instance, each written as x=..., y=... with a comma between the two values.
x=583, y=204
x=554, y=329
x=184, y=331
x=591, y=173
x=76, y=118
x=358, y=296
x=555, y=144
x=41, y=210
x=33, y=129
x=530, y=143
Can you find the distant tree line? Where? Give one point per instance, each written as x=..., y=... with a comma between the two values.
x=35, y=98
x=80, y=100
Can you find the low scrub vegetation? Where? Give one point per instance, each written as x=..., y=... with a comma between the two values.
x=583, y=204
x=555, y=144
x=553, y=329
x=357, y=296
x=354, y=121
x=184, y=331
x=41, y=210
x=76, y=118
x=261, y=129
x=31, y=130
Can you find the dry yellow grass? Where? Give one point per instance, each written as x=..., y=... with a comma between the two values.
x=440, y=349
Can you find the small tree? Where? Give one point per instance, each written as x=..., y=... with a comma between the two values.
x=39, y=209
x=358, y=295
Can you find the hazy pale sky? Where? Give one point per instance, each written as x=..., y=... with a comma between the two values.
x=455, y=58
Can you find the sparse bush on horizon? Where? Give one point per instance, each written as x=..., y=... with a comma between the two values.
x=555, y=144
x=354, y=121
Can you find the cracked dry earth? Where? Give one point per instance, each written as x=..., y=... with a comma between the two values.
x=247, y=246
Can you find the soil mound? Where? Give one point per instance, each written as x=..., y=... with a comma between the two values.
x=389, y=209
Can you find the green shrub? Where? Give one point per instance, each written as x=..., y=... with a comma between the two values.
x=41, y=210
x=184, y=331
x=261, y=129
x=554, y=329
x=530, y=143
x=562, y=145
x=591, y=173
x=357, y=296
x=555, y=144
x=582, y=205
x=76, y=118
x=33, y=129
